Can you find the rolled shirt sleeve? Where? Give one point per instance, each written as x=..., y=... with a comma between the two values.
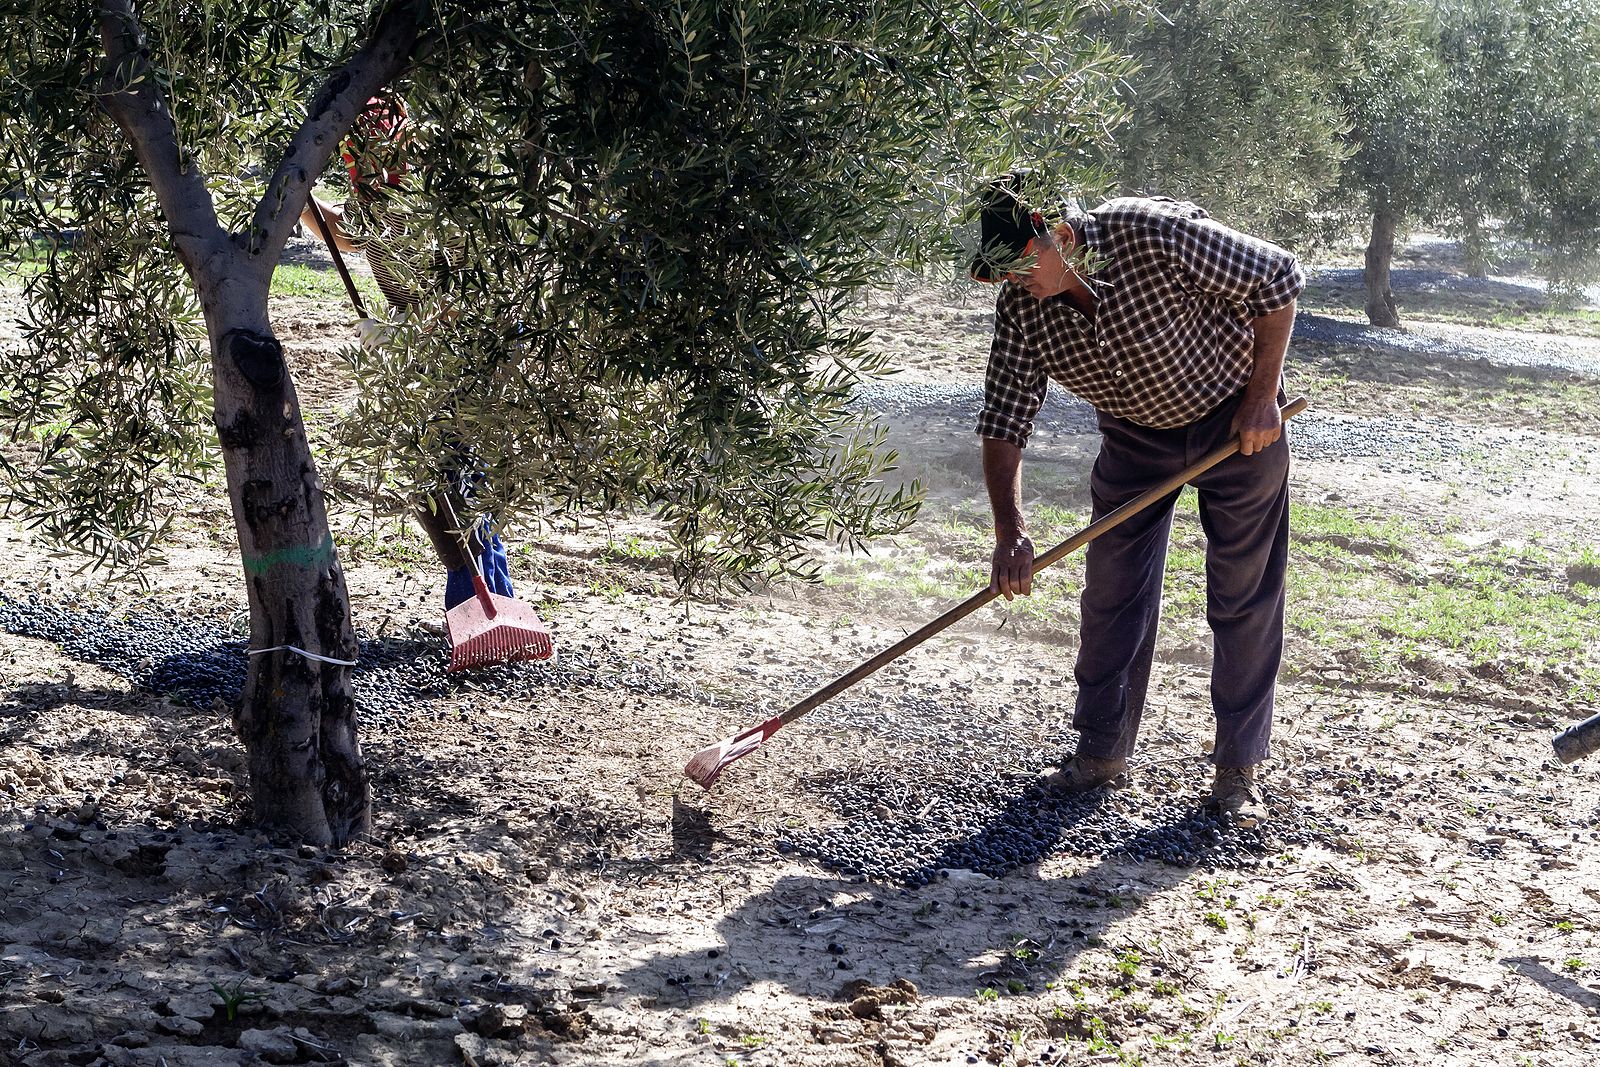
x=1256, y=275
x=1014, y=386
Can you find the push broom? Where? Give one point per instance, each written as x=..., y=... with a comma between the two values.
x=486, y=628
x=709, y=763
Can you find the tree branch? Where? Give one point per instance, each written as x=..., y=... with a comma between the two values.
x=333, y=110
x=130, y=95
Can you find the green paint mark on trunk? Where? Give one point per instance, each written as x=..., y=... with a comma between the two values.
x=293, y=556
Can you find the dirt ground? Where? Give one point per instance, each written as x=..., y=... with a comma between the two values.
x=544, y=887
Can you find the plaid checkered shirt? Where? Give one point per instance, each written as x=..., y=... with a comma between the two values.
x=1171, y=337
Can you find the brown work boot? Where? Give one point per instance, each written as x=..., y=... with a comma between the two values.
x=1234, y=797
x=1080, y=774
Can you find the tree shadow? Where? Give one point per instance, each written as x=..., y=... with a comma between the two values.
x=1346, y=287
x=960, y=934
x=23, y=705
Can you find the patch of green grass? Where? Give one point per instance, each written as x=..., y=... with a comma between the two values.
x=633, y=548
x=1056, y=523
x=396, y=544
x=1391, y=597
x=1583, y=322
x=21, y=262
x=1399, y=591
x=1100, y=1043
x=289, y=279
x=613, y=591
x=1347, y=379
x=293, y=279
x=1501, y=602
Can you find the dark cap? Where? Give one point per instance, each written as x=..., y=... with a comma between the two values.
x=1006, y=225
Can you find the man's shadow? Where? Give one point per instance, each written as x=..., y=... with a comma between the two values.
x=1559, y=984
x=962, y=932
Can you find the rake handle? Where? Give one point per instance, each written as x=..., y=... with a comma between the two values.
x=338, y=259
x=1072, y=544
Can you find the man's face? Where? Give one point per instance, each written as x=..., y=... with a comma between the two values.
x=1049, y=275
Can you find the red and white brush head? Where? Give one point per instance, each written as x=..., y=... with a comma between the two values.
x=708, y=764
x=514, y=633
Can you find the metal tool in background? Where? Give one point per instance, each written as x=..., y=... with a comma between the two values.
x=709, y=763
x=1578, y=740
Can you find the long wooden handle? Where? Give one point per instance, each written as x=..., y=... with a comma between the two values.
x=1071, y=544
x=338, y=260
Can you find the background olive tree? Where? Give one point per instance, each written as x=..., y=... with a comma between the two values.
x=1477, y=118
x=665, y=208
x=1548, y=91
x=1308, y=121
x=1232, y=106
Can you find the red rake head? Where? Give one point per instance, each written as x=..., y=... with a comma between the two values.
x=708, y=764
x=491, y=628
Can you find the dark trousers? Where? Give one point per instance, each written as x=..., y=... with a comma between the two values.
x=1244, y=510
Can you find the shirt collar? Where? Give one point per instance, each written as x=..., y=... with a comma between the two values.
x=1090, y=236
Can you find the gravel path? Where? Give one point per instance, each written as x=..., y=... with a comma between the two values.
x=1404, y=444
x=1414, y=444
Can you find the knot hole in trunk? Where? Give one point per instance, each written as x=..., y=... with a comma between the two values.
x=259, y=357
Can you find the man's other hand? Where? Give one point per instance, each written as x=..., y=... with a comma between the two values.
x=1258, y=423
x=1011, y=573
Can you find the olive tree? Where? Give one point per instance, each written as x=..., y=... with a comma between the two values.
x=664, y=209
x=1546, y=111
x=1297, y=120
x=1305, y=121
x=1233, y=105
x=1463, y=115
x=1391, y=90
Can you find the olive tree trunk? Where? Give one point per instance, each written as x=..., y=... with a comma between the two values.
x=1380, y=255
x=1474, y=242
x=296, y=715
